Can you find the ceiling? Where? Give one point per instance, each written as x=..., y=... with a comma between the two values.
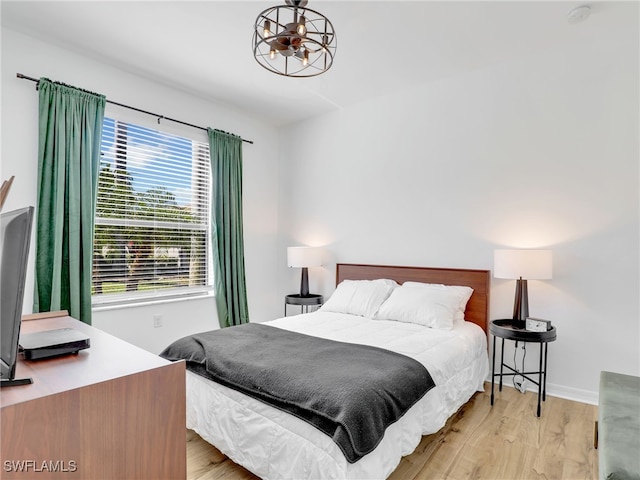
x=204, y=47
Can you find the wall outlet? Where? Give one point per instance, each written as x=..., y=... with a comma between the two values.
x=157, y=321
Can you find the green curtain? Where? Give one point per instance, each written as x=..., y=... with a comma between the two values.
x=70, y=132
x=226, y=224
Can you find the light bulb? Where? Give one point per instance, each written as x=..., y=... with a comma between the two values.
x=266, y=32
x=272, y=53
x=302, y=27
x=305, y=58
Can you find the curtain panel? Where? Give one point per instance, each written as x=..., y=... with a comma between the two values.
x=227, y=232
x=70, y=131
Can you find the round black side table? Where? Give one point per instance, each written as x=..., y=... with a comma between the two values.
x=508, y=329
x=304, y=301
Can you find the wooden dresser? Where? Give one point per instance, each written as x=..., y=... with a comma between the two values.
x=113, y=411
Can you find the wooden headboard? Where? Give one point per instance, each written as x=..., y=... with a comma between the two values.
x=478, y=306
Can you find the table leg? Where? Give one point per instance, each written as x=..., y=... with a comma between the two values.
x=540, y=377
x=493, y=368
x=501, y=364
x=544, y=375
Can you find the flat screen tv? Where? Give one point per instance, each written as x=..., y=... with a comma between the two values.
x=15, y=237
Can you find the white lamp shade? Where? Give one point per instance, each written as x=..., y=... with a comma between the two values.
x=525, y=264
x=304, y=257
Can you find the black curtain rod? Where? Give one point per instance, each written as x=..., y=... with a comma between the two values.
x=159, y=117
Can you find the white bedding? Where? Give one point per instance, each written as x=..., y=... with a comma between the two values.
x=276, y=445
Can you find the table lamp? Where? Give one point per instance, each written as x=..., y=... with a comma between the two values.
x=304, y=257
x=522, y=265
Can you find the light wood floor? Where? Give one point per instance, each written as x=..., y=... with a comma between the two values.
x=479, y=442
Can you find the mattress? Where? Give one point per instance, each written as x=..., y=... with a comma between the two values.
x=276, y=445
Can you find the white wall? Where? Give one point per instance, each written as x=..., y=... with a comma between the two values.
x=542, y=153
x=19, y=130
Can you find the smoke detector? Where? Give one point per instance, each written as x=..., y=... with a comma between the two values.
x=579, y=14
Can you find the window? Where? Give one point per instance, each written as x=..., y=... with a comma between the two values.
x=152, y=216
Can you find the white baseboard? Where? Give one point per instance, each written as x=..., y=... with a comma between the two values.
x=568, y=393
x=575, y=394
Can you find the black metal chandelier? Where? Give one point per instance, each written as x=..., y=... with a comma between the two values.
x=294, y=41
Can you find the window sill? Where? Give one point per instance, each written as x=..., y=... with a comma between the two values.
x=118, y=305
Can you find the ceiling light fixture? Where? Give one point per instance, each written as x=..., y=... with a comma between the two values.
x=294, y=41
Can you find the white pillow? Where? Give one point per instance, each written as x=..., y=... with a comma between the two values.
x=434, y=308
x=359, y=297
x=463, y=293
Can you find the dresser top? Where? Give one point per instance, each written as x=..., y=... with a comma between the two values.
x=108, y=357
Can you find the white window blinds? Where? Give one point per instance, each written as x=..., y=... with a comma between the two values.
x=152, y=215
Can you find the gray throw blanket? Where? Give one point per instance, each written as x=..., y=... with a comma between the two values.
x=350, y=392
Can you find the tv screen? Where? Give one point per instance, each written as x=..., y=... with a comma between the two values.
x=15, y=237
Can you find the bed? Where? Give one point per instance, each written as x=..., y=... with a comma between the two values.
x=275, y=444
